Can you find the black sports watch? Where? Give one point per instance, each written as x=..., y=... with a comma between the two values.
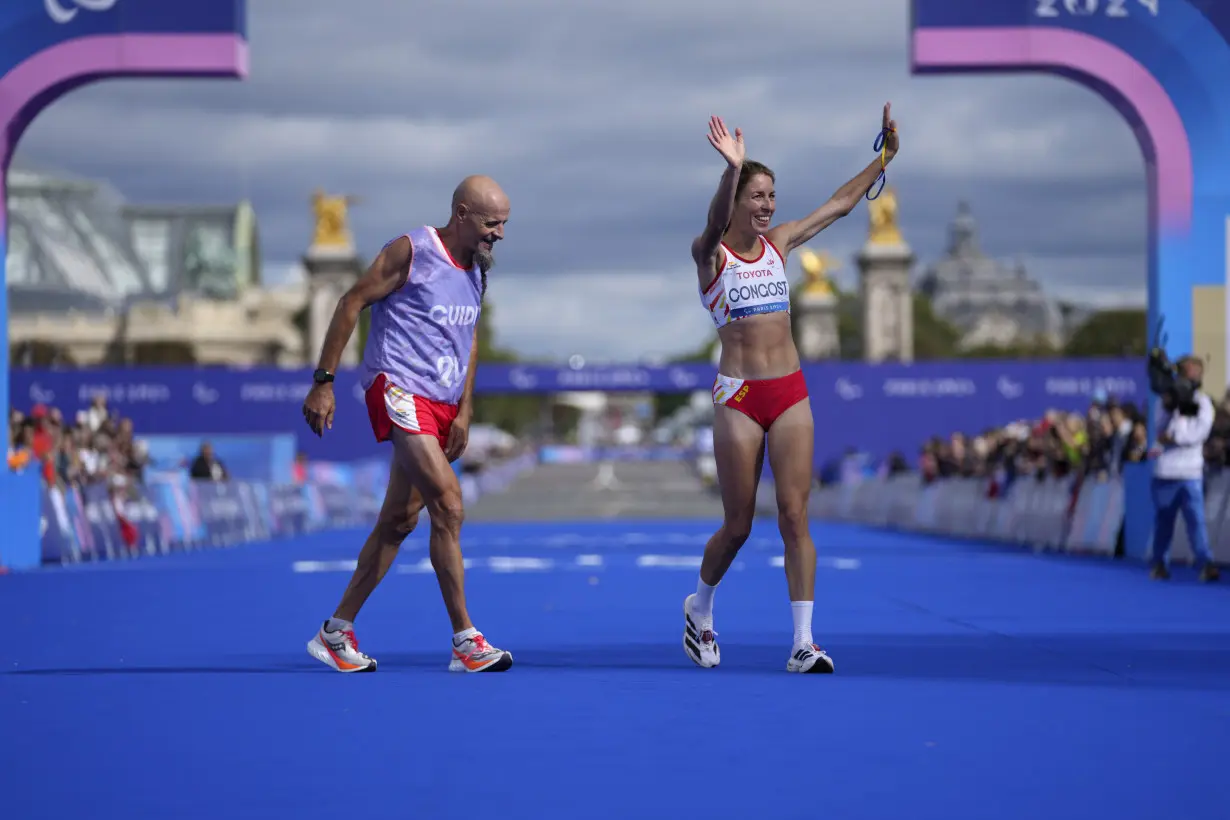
x=322, y=376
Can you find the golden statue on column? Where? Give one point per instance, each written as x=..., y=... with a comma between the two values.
x=332, y=230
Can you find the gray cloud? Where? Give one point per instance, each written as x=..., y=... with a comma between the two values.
x=593, y=118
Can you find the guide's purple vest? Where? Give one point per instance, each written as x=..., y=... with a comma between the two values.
x=421, y=334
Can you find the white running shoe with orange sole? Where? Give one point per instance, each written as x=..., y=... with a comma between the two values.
x=474, y=654
x=339, y=650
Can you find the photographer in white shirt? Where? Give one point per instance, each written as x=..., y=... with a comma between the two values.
x=1178, y=474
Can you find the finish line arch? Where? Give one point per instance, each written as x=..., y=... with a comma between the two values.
x=1159, y=63
x=50, y=47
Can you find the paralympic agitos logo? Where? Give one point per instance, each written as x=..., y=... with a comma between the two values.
x=63, y=11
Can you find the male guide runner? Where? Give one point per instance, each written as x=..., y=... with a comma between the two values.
x=425, y=290
x=759, y=394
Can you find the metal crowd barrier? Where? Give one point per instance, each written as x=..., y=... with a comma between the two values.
x=174, y=513
x=1045, y=514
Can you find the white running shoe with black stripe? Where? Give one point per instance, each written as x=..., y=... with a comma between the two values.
x=699, y=639
x=807, y=657
x=339, y=649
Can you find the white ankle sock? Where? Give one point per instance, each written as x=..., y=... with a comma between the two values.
x=337, y=624
x=460, y=637
x=702, y=605
x=802, y=622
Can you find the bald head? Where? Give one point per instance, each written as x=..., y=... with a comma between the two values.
x=480, y=209
x=480, y=192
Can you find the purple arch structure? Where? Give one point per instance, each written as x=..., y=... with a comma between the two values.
x=1094, y=63
x=1118, y=78
x=42, y=59
x=1159, y=65
x=41, y=78
x=38, y=81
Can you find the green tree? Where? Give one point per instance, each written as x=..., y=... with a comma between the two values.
x=488, y=350
x=934, y=338
x=1037, y=348
x=1110, y=333
x=516, y=414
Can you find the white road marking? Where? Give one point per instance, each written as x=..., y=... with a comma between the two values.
x=325, y=566
x=506, y=564
x=669, y=561
x=423, y=565
x=834, y=563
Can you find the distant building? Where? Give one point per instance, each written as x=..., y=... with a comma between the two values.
x=68, y=248
x=212, y=251
x=93, y=280
x=991, y=303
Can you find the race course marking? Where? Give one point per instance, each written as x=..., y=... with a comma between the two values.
x=507, y=564
x=834, y=563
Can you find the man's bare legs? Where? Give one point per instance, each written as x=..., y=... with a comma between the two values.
x=335, y=644
x=432, y=476
x=420, y=477
x=398, y=517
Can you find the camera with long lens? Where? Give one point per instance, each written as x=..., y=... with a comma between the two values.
x=1166, y=380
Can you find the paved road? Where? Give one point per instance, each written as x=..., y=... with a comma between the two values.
x=623, y=490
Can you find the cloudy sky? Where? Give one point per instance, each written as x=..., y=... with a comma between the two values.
x=593, y=116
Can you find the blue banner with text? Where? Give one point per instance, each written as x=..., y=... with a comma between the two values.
x=878, y=408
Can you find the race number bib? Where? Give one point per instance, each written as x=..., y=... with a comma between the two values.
x=448, y=371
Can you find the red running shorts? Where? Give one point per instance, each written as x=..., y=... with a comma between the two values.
x=761, y=400
x=389, y=405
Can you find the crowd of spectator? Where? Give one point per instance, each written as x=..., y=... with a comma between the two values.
x=95, y=447
x=1095, y=443
x=1098, y=442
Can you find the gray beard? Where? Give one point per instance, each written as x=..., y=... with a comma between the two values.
x=485, y=260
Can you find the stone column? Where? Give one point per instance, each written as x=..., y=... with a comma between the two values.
x=884, y=265
x=816, y=309
x=333, y=265
x=329, y=276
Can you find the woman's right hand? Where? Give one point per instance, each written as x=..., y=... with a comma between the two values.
x=731, y=148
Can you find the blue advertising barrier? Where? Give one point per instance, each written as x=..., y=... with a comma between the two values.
x=880, y=409
x=268, y=457
x=1097, y=515
x=1138, y=521
x=96, y=524
x=19, y=518
x=170, y=513
x=1047, y=513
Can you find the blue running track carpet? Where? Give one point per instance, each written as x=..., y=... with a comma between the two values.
x=973, y=681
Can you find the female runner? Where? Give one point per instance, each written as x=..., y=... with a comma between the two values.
x=759, y=393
